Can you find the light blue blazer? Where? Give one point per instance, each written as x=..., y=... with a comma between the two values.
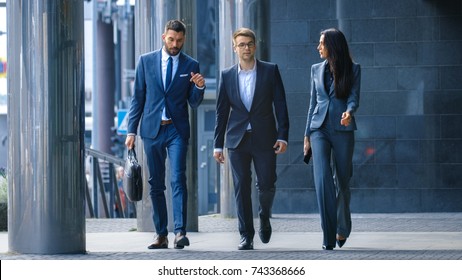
x=323, y=103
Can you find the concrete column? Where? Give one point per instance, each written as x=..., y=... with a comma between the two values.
x=150, y=19
x=341, y=8
x=229, y=20
x=143, y=44
x=46, y=127
x=127, y=53
x=233, y=15
x=187, y=12
x=104, y=93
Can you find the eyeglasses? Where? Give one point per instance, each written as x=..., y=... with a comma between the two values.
x=243, y=45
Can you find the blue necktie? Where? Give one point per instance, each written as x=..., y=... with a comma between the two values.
x=168, y=75
x=168, y=79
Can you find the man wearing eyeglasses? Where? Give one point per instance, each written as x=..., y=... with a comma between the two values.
x=252, y=116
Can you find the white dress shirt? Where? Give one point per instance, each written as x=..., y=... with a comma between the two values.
x=247, y=80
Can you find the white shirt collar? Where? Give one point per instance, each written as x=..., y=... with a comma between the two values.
x=239, y=69
x=165, y=56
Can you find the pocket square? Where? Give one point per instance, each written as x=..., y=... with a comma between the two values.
x=184, y=75
x=307, y=157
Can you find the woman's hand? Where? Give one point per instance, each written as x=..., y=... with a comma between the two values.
x=306, y=145
x=346, y=119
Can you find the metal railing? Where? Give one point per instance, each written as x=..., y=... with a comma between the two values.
x=105, y=191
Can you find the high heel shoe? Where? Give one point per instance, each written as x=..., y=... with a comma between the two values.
x=341, y=242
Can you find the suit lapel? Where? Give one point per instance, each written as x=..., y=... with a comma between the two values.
x=331, y=90
x=321, y=86
x=235, y=90
x=258, y=78
x=255, y=91
x=181, y=62
x=157, y=60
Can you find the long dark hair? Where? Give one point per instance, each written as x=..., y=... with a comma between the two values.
x=340, y=62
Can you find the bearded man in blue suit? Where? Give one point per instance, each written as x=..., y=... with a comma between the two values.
x=166, y=81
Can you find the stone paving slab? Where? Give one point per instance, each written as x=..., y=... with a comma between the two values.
x=423, y=236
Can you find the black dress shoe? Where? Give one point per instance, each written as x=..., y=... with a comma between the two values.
x=246, y=244
x=180, y=241
x=327, y=247
x=265, y=230
x=160, y=242
x=340, y=243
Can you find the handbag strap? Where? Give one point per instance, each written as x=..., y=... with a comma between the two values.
x=132, y=154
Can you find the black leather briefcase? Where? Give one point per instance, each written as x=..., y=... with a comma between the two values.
x=133, y=182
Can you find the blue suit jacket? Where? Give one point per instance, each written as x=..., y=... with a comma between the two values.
x=232, y=116
x=323, y=102
x=150, y=97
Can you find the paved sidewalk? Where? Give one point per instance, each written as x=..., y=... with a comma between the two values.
x=422, y=236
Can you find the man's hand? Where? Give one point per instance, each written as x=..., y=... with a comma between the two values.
x=280, y=147
x=197, y=79
x=130, y=141
x=219, y=157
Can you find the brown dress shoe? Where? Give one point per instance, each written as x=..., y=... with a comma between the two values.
x=161, y=242
x=180, y=241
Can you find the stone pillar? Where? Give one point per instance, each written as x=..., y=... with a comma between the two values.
x=127, y=53
x=233, y=15
x=150, y=19
x=46, y=174
x=105, y=85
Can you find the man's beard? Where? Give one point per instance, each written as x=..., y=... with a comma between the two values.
x=172, y=51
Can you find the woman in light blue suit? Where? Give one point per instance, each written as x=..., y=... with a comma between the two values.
x=329, y=133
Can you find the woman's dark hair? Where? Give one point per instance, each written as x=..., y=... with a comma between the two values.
x=340, y=62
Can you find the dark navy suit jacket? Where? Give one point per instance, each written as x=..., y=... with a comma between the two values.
x=232, y=117
x=150, y=97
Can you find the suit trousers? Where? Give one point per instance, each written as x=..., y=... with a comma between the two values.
x=332, y=170
x=264, y=161
x=168, y=141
